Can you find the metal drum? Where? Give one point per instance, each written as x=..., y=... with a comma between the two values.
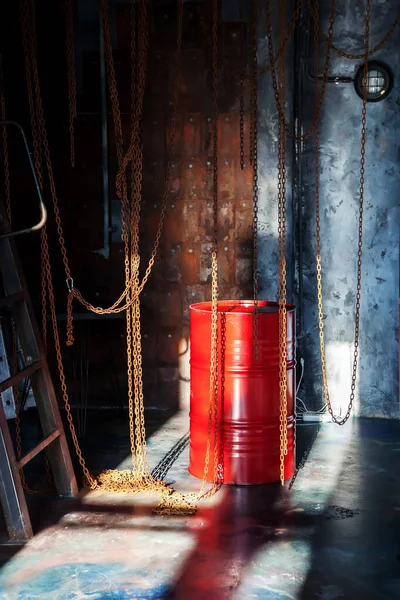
x=248, y=390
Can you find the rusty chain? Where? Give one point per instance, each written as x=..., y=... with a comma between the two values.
x=281, y=81
x=13, y=326
x=135, y=392
x=115, y=308
x=279, y=88
x=361, y=56
x=69, y=33
x=214, y=390
x=318, y=250
x=122, y=192
x=318, y=107
x=359, y=248
x=140, y=479
x=253, y=85
x=39, y=135
x=243, y=66
x=282, y=45
x=27, y=24
x=254, y=163
x=41, y=138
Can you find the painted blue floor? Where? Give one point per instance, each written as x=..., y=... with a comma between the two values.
x=335, y=535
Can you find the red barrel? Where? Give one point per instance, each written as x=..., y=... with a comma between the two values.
x=250, y=390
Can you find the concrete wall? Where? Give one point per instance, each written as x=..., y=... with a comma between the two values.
x=340, y=133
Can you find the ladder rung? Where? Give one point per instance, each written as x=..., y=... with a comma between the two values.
x=12, y=299
x=15, y=379
x=41, y=446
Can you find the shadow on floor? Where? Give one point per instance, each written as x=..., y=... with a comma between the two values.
x=258, y=541
x=356, y=550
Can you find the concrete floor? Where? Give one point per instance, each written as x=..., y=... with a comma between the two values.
x=335, y=535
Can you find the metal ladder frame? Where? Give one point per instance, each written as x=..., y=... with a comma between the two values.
x=16, y=298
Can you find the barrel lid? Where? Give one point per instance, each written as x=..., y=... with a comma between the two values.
x=241, y=307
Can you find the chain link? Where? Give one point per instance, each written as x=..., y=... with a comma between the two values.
x=359, y=246
x=123, y=162
x=39, y=135
x=282, y=252
x=243, y=66
x=213, y=407
x=140, y=479
x=318, y=107
x=254, y=162
x=69, y=31
x=361, y=56
x=279, y=88
x=282, y=46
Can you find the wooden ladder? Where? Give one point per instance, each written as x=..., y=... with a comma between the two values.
x=14, y=297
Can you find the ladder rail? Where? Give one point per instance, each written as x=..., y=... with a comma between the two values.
x=43, y=211
x=12, y=496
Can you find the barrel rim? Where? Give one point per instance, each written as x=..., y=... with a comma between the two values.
x=205, y=307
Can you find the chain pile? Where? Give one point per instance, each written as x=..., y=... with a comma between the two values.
x=139, y=478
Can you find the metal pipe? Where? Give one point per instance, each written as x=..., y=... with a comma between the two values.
x=43, y=211
x=105, y=250
x=331, y=78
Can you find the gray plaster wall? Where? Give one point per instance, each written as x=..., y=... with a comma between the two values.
x=377, y=393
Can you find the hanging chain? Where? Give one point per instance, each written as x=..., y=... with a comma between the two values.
x=28, y=10
x=361, y=56
x=253, y=85
x=213, y=424
x=359, y=248
x=27, y=16
x=135, y=392
x=123, y=162
x=243, y=66
x=215, y=390
x=282, y=46
x=318, y=107
x=254, y=162
x=279, y=88
x=282, y=253
x=171, y=502
x=69, y=31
